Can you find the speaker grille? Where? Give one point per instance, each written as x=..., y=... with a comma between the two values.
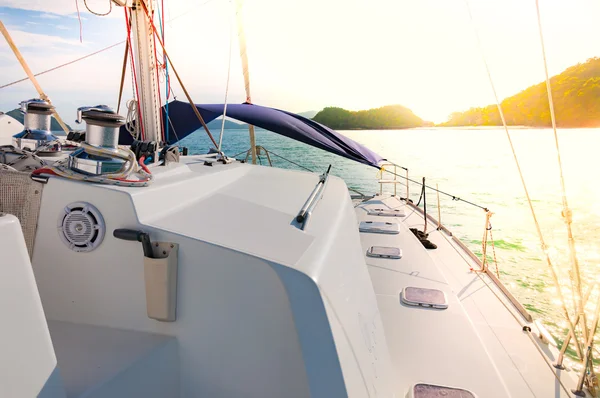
x=81, y=227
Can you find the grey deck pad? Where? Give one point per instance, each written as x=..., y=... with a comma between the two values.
x=386, y=212
x=378, y=227
x=433, y=391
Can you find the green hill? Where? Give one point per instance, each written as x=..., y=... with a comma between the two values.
x=18, y=115
x=575, y=93
x=229, y=125
x=387, y=117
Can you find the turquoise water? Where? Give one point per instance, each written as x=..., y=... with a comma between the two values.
x=477, y=165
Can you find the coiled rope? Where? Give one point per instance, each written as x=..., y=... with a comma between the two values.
x=131, y=173
x=98, y=13
x=133, y=73
x=130, y=122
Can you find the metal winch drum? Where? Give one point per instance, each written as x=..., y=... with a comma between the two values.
x=37, y=135
x=102, y=131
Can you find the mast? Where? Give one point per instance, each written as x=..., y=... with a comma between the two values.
x=145, y=65
x=244, y=57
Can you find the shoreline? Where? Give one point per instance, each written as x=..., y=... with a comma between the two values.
x=467, y=128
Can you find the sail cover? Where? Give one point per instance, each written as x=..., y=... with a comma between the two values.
x=183, y=121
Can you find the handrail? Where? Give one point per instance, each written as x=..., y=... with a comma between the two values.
x=258, y=149
x=384, y=181
x=313, y=199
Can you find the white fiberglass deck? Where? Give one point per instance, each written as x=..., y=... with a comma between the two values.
x=266, y=308
x=477, y=343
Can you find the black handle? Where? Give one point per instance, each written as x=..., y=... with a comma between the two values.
x=135, y=236
x=324, y=176
x=128, y=234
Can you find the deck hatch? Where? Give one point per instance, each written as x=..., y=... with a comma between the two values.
x=423, y=390
x=378, y=227
x=384, y=252
x=386, y=212
x=419, y=296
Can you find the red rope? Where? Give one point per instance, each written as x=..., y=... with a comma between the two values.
x=43, y=170
x=143, y=165
x=48, y=171
x=137, y=94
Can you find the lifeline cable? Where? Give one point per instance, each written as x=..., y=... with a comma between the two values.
x=65, y=64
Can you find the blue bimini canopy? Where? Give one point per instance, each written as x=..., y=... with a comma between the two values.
x=183, y=121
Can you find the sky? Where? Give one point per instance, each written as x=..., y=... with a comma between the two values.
x=309, y=54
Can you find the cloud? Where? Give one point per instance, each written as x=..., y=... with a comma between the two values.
x=34, y=40
x=48, y=16
x=62, y=27
x=32, y=23
x=62, y=7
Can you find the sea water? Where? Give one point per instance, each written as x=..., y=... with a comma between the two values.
x=478, y=165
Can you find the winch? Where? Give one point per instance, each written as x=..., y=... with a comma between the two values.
x=37, y=136
x=101, y=132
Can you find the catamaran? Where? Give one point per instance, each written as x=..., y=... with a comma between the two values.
x=133, y=269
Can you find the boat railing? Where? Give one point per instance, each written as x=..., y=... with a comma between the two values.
x=393, y=180
x=584, y=346
x=259, y=150
x=482, y=264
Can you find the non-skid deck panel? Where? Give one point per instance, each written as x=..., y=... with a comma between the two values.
x=476, y=343
x=381, y=212
x=436, y=346
x=517, y=357
x=415, y=262
x=436, y=353
x=378, y=227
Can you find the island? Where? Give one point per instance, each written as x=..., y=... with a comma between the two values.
x=386, y=117
x=575, y=93
x=215, y=125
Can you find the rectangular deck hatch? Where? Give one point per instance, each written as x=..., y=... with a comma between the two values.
x=422, y=390
x=378, y=227
x=386, y=212
x=419, y=296
x=384, y=252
